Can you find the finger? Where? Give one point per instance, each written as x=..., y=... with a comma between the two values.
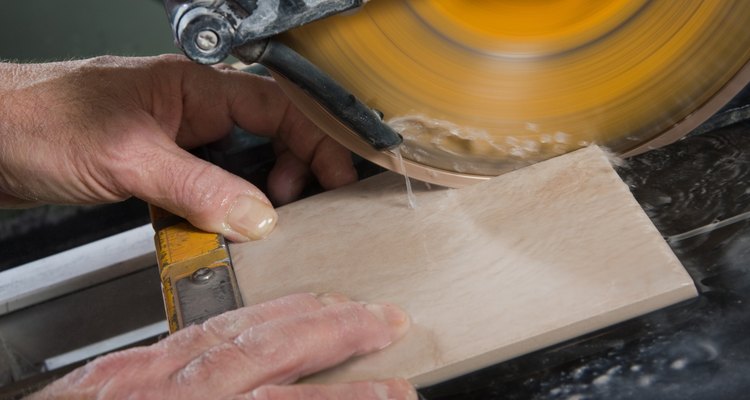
x=290, y=174
x=131, y=373
x=258, y=105
x=224, y=67
x=332, y=164
x=392, y=389
x=288, y=178
x=280, y=351
x=190, y=342
x=230, y=324
x=214, y=98
x=209, y=197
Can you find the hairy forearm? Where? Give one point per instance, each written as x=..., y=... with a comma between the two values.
x=12, y=76
x=20, y=76
x=43, y=135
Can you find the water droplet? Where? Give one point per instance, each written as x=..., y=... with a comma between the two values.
x=411, y=198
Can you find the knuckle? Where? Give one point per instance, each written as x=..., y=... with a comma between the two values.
x=172, y=65
x=172, y=59
x=198, y=188
x=101, y=61
x=281, y=352
x=222, y=323
x=131, y=163
x=350, y=315
x=193, y=188
x=231, y=324
x=357, y=329
x=95, y=182
x=190, y=337
x=208, y=364
x=264, y=345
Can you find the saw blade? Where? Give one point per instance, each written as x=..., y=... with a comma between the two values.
x=479, y=87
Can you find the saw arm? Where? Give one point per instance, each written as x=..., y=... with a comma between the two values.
x=478, y=88
x=207, y=32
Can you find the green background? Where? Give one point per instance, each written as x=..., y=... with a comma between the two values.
x=45, y=30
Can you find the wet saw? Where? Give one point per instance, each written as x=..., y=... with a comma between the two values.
x=473, y=88
x=464, y=90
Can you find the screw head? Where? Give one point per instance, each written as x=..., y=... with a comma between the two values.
x=207, y=40
x=202, y=275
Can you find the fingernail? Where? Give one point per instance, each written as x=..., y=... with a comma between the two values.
x=395, y=389
x=252, y=217
x=332, y=298
x=395, y=317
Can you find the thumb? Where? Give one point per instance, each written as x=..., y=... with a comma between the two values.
x=209, y=197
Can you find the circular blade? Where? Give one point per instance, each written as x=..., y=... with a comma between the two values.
x=479, y=87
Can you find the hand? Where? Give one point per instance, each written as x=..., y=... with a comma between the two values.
x=103, y=129
x=252, y=353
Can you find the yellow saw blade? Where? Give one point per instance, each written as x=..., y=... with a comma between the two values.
x=478, y=87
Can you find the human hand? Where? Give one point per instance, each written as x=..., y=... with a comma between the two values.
x=253, y=353
x=101, y=130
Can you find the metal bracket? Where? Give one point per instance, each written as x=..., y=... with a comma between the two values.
x=197, y=274
x=207, y=31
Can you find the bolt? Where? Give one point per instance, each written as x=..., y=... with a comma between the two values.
x=202, y=275
x=207, y=40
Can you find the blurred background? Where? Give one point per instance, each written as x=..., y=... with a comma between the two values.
x=46, y=30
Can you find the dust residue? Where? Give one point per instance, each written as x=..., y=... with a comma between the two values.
x=613, y=158
x=265, y=13
x=446, y=145
x=657, y=366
